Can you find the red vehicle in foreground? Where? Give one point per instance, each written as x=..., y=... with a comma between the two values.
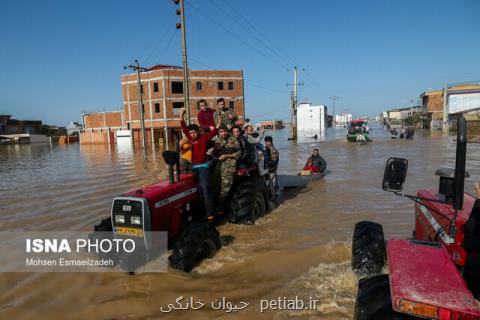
x=434, y=275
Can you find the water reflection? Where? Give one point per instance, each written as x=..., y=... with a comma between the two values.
x=71, y=187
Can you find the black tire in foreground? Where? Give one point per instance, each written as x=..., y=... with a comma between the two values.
x=197, y=242
x=374, y=301
x=247, y=201
x=368, y=249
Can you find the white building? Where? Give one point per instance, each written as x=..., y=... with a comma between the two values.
x=343, y=118
x=311, y=119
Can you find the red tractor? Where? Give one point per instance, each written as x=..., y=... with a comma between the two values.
x=435, y=274
x=174, y=206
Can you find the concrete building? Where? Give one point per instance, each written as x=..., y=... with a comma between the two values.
x=311, y=119
x=14, y=126
x=396, y=118
x=162, y=93
x=272, y=124
x=384, y=118
x=74, y=128
x=343, y=118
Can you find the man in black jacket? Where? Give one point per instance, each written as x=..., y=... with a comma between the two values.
x=318, y=161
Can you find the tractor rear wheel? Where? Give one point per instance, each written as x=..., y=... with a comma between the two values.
x=197, y=241
x=259, y=207
x=374, y=301
x=247, y=201
x=368, y=249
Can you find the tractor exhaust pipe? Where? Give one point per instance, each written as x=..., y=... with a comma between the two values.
x=460, y=162
x=171, y=180
x=177, y=147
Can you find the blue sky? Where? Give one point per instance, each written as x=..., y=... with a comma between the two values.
x=62, y=57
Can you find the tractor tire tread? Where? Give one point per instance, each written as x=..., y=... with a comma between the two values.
x=186, y=250
x=368, y=249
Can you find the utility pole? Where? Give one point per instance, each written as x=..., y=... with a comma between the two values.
x=294, y=102
x=138, y=69
x=445, y=127
x=186, y=87
x=334, y=98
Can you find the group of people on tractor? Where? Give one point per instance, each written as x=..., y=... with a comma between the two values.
x=358, y=127
x=224, y=144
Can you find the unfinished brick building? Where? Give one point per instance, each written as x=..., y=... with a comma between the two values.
x=162, y=93
x=432, y=102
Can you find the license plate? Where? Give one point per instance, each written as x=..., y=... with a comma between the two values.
x=124, y=231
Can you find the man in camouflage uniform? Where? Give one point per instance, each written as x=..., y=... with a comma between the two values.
x=228, y=150
x=224, y=115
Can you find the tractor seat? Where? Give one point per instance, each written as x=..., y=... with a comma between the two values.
x=446, y=188
x=448, y=173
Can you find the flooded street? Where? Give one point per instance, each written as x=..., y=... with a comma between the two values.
x=302, y=248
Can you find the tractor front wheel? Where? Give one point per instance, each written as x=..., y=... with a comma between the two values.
x=374, y=301
x=198, y=241
x=368, y=249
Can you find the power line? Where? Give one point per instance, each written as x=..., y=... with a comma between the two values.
x=265, y=88
x=237, y=37
x=245, y=82
x=152, y=40
x=168, y=44
x=278, y=52
x=200, y=62
x=169, y=29
x=292, y=61
x=269, y=112
x=262, y=42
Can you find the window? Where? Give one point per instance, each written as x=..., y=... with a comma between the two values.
x=199, y=85
x=230, y=85
x=176, y=107
x=220, y=85
x=231, y=104
x=155, y=87
x=177, y=87
x=157, y=107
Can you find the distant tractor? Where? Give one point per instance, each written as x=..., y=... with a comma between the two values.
x=174, y=206
x=436, y=273
x=358, y=132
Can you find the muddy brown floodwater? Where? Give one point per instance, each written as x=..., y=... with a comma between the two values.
x=301, y=249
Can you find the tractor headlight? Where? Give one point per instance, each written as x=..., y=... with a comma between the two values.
x=119, y=218
x=135, y=220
